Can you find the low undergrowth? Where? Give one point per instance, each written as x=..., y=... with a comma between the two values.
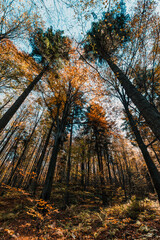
x=22, y=217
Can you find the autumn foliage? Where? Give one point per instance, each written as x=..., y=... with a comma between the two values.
x=79, y=120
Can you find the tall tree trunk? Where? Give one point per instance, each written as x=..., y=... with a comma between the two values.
x=76, y=173
x=11, y=147
x=101, y=172
x=6, y=142
x=29, y=178
x=22, y=155
x=8, y=133
x=18, y=119
x=66, y=198
x=118, y=171
x=5, y=104
x=88, y=166
x=127, y=170
x=12, y=110
x=46, y=192
x=41, y=178
x=156, y=155
x=106, y=153
x=11, y=165
x=27, y=169
x=148, y=111
x=114, y=172
x=40, y=161
x=82, y=171
x=123, y=178
x=94, y=173
x=154, y=173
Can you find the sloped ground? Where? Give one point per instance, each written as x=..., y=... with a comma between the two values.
x=22, y=217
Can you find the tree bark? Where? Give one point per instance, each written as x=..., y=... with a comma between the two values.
x=22, y=155
x=108, y=164
x=155, y=153
x=46, y=192
x=66, y=198
x=88, y=166
x=61, y=125
x=27, y=169
x=94, y=173
x=154, y=173
x=123, y=179
x=3, y=106
x=29, y=178
x=40, y=161
x=101, y=172
x=5, y=144
x=12, y=110
x=82, y=171
x=148, y=111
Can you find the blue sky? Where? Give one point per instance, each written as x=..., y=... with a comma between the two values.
x=55, y=13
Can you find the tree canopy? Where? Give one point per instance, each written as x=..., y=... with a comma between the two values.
x=79, y=119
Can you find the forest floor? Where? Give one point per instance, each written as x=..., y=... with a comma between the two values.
x=23, y=217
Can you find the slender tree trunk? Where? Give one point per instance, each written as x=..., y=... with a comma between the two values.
x=127, y=170
x=26, y=169
x=29, y=179
x=62, y=168
x=5, y=137
x=14, y=158
x=5, y=144
x=22, y=155
x=155, y=153
x=88, y=167
x=101, y=172
x=108, y=164
x=114, y=172
x=76, y=174
x=154, y=173
x=46, y=192
x=8, y=132
x=13, y=127
x=148, y=111
x=5, y=104
x=123, y=180
x=12, y=110
x=118, y=171
x=12, y=145
x=94, y=173
x=40, y=161
x=41, y=179
x=66, y=198
x=149, y=182
x=82, y=170
x=11, y=165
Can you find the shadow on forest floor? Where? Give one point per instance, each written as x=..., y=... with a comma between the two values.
x=23, y=217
